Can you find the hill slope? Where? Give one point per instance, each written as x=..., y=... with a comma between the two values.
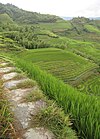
x=4, y=18
x=23, y=16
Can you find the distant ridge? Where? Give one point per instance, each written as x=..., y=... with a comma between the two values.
x=70, y=18
x=27, y=17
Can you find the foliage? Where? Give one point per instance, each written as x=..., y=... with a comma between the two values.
x=62, y=64
x=91, y=86
x=5, y=115
x=60, y=121
x=35, y=95
x=23, y=16
x=91, y=28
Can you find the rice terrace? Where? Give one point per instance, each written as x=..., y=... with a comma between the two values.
x=49, y=76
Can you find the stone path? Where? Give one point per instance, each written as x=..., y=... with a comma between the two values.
x=22, y=110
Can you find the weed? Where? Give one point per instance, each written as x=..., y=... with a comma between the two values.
x=55, y=120
x=19, y=76
x=35, y=95
x=26, y=84
x=5, y=115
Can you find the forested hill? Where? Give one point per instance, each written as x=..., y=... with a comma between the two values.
x=23, y=16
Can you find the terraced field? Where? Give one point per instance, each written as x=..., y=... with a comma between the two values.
x=63, y=64
x=7, y=44
x=59, y=26
x=88, y=50
x=91, y=86
x=91, y=28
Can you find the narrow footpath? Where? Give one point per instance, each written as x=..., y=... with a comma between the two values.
x=22, y=110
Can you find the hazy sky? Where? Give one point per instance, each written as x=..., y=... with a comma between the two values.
x=87, y=8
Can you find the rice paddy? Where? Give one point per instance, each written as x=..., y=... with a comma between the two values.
x=91, y=86
x=62, y=64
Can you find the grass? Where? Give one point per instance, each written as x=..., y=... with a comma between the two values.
x=91, y=86
x=92, y=28
x=25, y=84
x=45, y=32
x=84, y=109
x=88, y=51
x=51, y=117
x=60, y=63
x=19, y=76
x=56, y=26
x=6, y=117
x=55, y=120
x=35, y=95
x=7, y=65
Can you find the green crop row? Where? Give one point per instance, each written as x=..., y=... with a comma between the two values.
x=91, y=86
x=84, y=109
x=62, y=64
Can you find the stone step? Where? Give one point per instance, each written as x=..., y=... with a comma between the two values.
x=9, y=76
x=13, y=83
x=6, y=69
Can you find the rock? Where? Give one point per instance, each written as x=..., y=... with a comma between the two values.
x=39, y=133
x=9, y=76
x=3, y=64
x=7, y=69
x=18, y=94
x=13, y=83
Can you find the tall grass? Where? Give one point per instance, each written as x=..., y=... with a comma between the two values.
x=84, y=109
x=5, y=115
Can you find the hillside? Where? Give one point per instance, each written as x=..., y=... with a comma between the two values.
x=22, y=16
x=63, y=57
x=4, y=18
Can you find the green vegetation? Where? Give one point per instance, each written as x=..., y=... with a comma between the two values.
x=91, y=28
x=60, y=121
x=62, y=64
x=55, y=121
x=82, y=108
x=86, y=50
x=22, y=16
x=19, y=76
x=35, y=96
x=5, y=18
x=25, y=84
x=5, y=115
x=56, y=27
x=91, y=86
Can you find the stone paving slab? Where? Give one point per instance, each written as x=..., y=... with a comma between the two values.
x=3, y=64
x=13, y=83
x=6, y=69
x=9, y=76
x=39, y=133
x=18, y=94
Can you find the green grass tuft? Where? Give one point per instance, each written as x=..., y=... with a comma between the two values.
x=35, y=95
x=55, y=120
x=5, y=115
